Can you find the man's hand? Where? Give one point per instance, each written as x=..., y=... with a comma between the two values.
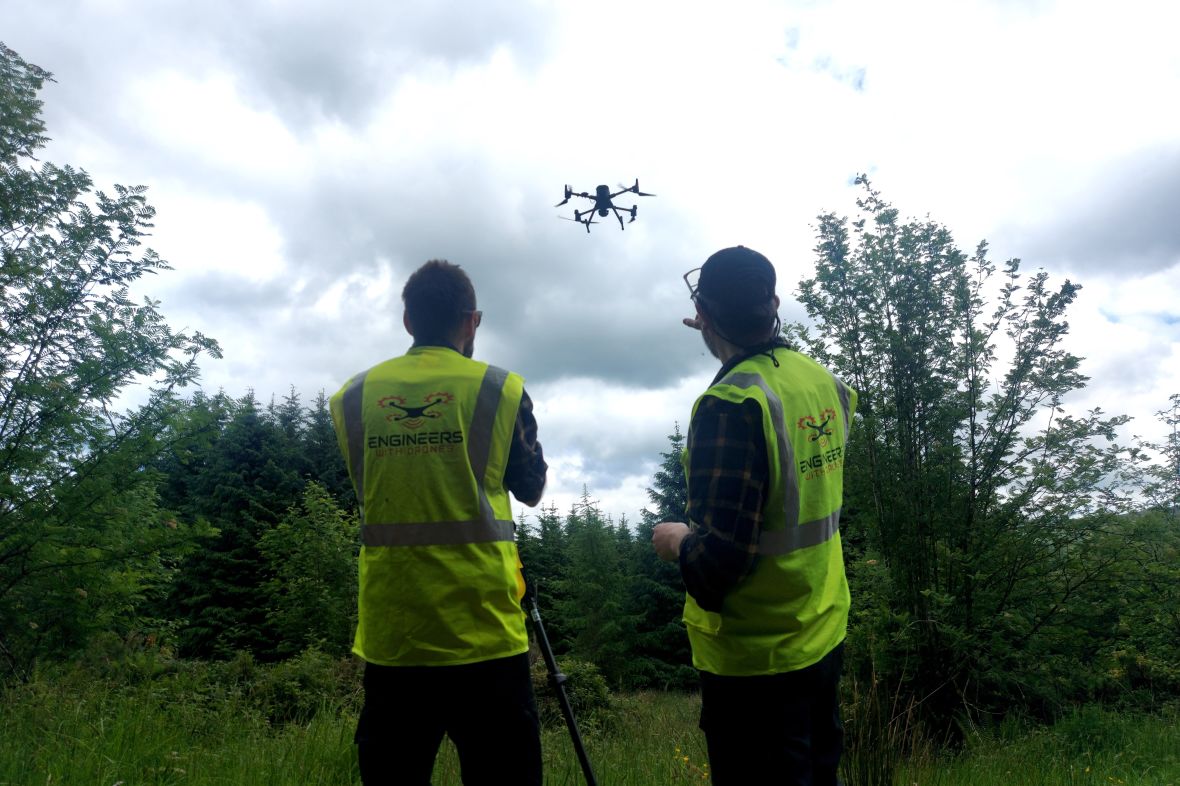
x=666, y=537
x=692, y=322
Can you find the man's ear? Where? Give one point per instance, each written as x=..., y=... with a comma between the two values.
x=406, y=323
x=703, y=319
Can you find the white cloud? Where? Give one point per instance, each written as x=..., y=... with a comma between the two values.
x=304, y=159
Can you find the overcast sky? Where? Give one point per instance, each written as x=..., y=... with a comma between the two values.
x=306, y=157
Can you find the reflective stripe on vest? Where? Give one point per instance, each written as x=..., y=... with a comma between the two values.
x=352, y=402
x=436, y=533
x=794, y=536
x=485, y=529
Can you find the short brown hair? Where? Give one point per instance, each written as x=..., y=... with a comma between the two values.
x=436, y=297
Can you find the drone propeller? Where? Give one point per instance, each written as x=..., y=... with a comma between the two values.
x=583, y=218
x=586, y=222
x=634, y=189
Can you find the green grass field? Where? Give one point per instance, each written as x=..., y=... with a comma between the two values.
x=169, y=731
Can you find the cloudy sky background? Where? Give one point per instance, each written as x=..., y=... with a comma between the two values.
x=305, y=157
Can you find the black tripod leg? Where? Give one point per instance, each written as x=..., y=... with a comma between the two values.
x=557, y=680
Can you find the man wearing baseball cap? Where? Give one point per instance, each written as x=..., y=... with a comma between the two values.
x=767, y=603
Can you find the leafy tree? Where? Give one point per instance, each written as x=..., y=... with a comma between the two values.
x=1142, y=660
x=1163, y=485
x=311, y=557
x=72, y=341
x=983, y=497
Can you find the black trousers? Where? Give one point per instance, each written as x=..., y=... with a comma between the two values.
x=781, y=729
x=487, y=709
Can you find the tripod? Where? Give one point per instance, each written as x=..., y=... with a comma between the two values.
x=557, y=680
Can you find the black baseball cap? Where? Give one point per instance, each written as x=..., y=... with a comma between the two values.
x=736, y=278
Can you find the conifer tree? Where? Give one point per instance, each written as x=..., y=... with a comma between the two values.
x=325, y=463
x=594, y=605
x=220, y=594
x=543, y=553
x=656, y=593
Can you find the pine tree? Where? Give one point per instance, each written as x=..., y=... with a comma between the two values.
x=594, y=607
x=325, y=463
x=656, y=592
x=545, y=561
x=220, y=595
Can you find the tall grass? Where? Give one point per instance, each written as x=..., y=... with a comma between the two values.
x=211, y=727
x=1092, y=746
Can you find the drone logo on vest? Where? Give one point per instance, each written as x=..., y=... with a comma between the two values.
x=821, y=430
x=412, y=417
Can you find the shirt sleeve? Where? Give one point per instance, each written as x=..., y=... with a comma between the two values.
x=526, y=471
x=728, y=476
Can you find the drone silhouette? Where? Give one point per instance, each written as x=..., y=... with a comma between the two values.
x=603, y=204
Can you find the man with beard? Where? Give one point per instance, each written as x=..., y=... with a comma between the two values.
x=767, y=604
x=434, y=442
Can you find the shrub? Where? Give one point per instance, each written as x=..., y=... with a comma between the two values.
x=589, y=697
x=294, y=690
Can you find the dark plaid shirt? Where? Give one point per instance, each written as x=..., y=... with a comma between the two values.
x=525, y=474
x=728, y=477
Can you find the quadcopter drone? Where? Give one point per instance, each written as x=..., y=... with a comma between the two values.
x=603, y=205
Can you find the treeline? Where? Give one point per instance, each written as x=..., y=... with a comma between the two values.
x=242, y=538
x=249, y=538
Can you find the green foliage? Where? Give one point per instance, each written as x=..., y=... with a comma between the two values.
x=311, y=556
x=604, y=594
x=1138, y=663
x=1091, y=746
x=182, y=722
x=77, y=509
x=545, y=560
x=291, y=691
x=587, y=691
x=594, y=592
x=323, y=454
x=1005, y=555
x=241, y=485
x=661, y=657
x=193, y=725
x=877, y=738
x=1162, y=486
x=993, y=509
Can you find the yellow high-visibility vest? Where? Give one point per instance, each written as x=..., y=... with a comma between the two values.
x=426, y=438
x=792, y=609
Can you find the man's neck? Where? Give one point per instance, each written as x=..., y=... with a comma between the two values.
x=433, y=344
x=739, y=354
